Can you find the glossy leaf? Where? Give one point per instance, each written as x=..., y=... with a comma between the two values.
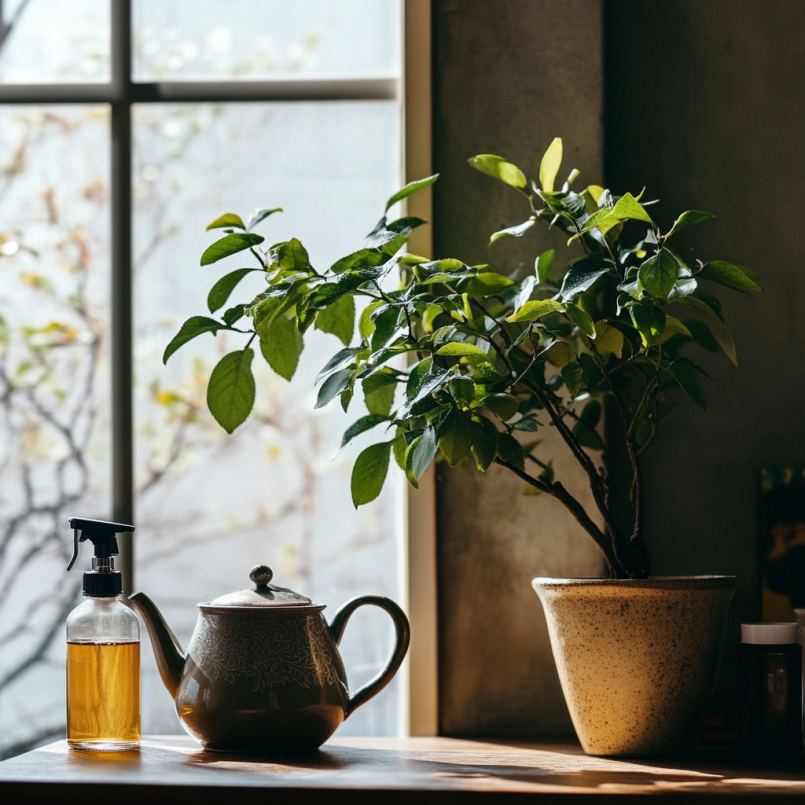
x=689, y=218
x=550, y=164
x=231, y=391
x=231, y=244
x=504, y=406
x=457, y=349
x=581, y=318
x=228, y=219
x=484, y=442
x=542, y=265
x=455, y=436
x=333, y=386
x=731, y=276
x=534, y=309
x=361, y=426
x=499, y=168
x=511, y=451
x=369, y=473
x=487, y=283
x=365, y=324
x=195, y=325
x=657, y=275
x=649, y=319
x=410, y=189
x=292, y=256
x=608, y=340
x=259, y=215
x=220, y=292
x=363, y=258
x=339, y=360
x=581, y=276
x=420, y=454
x=514, y=231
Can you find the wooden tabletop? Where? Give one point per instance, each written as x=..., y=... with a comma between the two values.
x=383, y=771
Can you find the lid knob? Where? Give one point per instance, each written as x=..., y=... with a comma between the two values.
x=261, y=575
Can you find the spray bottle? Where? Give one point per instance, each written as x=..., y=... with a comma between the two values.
x=103, y=650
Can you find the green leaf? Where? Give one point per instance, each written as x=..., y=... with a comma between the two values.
x=503, y=406
x=231, y=244
x=684, y=371
x=223, y=288
x=378, y=391
x=629, y=208
x=292, y=256
x=365, y=324
x=333, y=386
x=591, y=413
x=457, y=349
x=455, y=436
x=673, y=327
x=361, y=426
x=542, y=265
x=340, y=359
x=587, y=436
x=400, y=447
x=234, y=313
x=649, y=319
x=338, y=319
x=582, y=274
x=346, y=398
x=689, y=218
x=573, y=375
x=420, y=454
x=417, y=375
x=582, y=319
x=387, y=327
x=230, y=392
x=549, y=167
x=515, y=231
x=716, y=326
x=363, y=258
x=731, y=276
x=410, y=189
x=369, y=473
x=283, y=347
x=463, y=390
x=261, y=214
x=608, y=340
x=196, y=325
x=227, y=219
x=657, y=275
x=701, y=334
x=484, y=442
x=534, y=309
x=488, y=283
x=511, y=451
x=499, y=168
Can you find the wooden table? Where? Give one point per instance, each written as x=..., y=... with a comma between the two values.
x=382, y=771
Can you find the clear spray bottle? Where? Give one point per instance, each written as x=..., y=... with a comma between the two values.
x=103, y=650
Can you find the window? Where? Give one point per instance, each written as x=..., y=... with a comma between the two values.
x=126, y=128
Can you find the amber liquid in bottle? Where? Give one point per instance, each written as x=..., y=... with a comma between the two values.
x=103, y=695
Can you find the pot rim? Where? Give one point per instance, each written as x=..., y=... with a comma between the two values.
x=222, y=610
x=652, y=581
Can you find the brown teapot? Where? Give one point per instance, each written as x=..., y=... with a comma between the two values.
x=263, y=672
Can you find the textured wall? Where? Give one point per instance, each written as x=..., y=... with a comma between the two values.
x=508, y=77
x=704, y=105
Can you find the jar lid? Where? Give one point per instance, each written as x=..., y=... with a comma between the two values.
x=262, y=594
x=769, y=633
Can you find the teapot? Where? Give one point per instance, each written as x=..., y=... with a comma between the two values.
x=263, y=672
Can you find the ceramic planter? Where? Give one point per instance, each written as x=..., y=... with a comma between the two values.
x=637, y=659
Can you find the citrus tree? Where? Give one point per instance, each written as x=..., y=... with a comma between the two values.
x=489, y=358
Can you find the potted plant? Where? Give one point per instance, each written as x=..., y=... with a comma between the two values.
x=465, y=363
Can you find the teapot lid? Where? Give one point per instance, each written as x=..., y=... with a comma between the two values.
x=262, y=594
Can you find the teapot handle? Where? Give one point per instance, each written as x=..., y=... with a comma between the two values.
x=401, y=642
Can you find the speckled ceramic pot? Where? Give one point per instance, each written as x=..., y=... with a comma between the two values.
x=637, y=659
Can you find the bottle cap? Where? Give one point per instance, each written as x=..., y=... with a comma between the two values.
x=769, y=633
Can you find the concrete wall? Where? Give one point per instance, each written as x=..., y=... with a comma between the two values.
x=508, y=77
x=705, y=106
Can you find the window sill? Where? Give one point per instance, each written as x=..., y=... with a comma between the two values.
x=356, y=770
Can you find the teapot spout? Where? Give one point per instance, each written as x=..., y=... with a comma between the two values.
x=168, y=652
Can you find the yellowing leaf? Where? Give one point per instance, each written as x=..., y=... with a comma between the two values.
x=549, y=167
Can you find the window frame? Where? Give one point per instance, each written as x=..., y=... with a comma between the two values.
x=413, y=91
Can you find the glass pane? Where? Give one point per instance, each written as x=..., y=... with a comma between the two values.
x=210, y=506
x=241, y=39
x=54, y=383
x=51, y=41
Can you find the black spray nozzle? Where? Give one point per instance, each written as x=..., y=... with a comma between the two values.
x=100, y=532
